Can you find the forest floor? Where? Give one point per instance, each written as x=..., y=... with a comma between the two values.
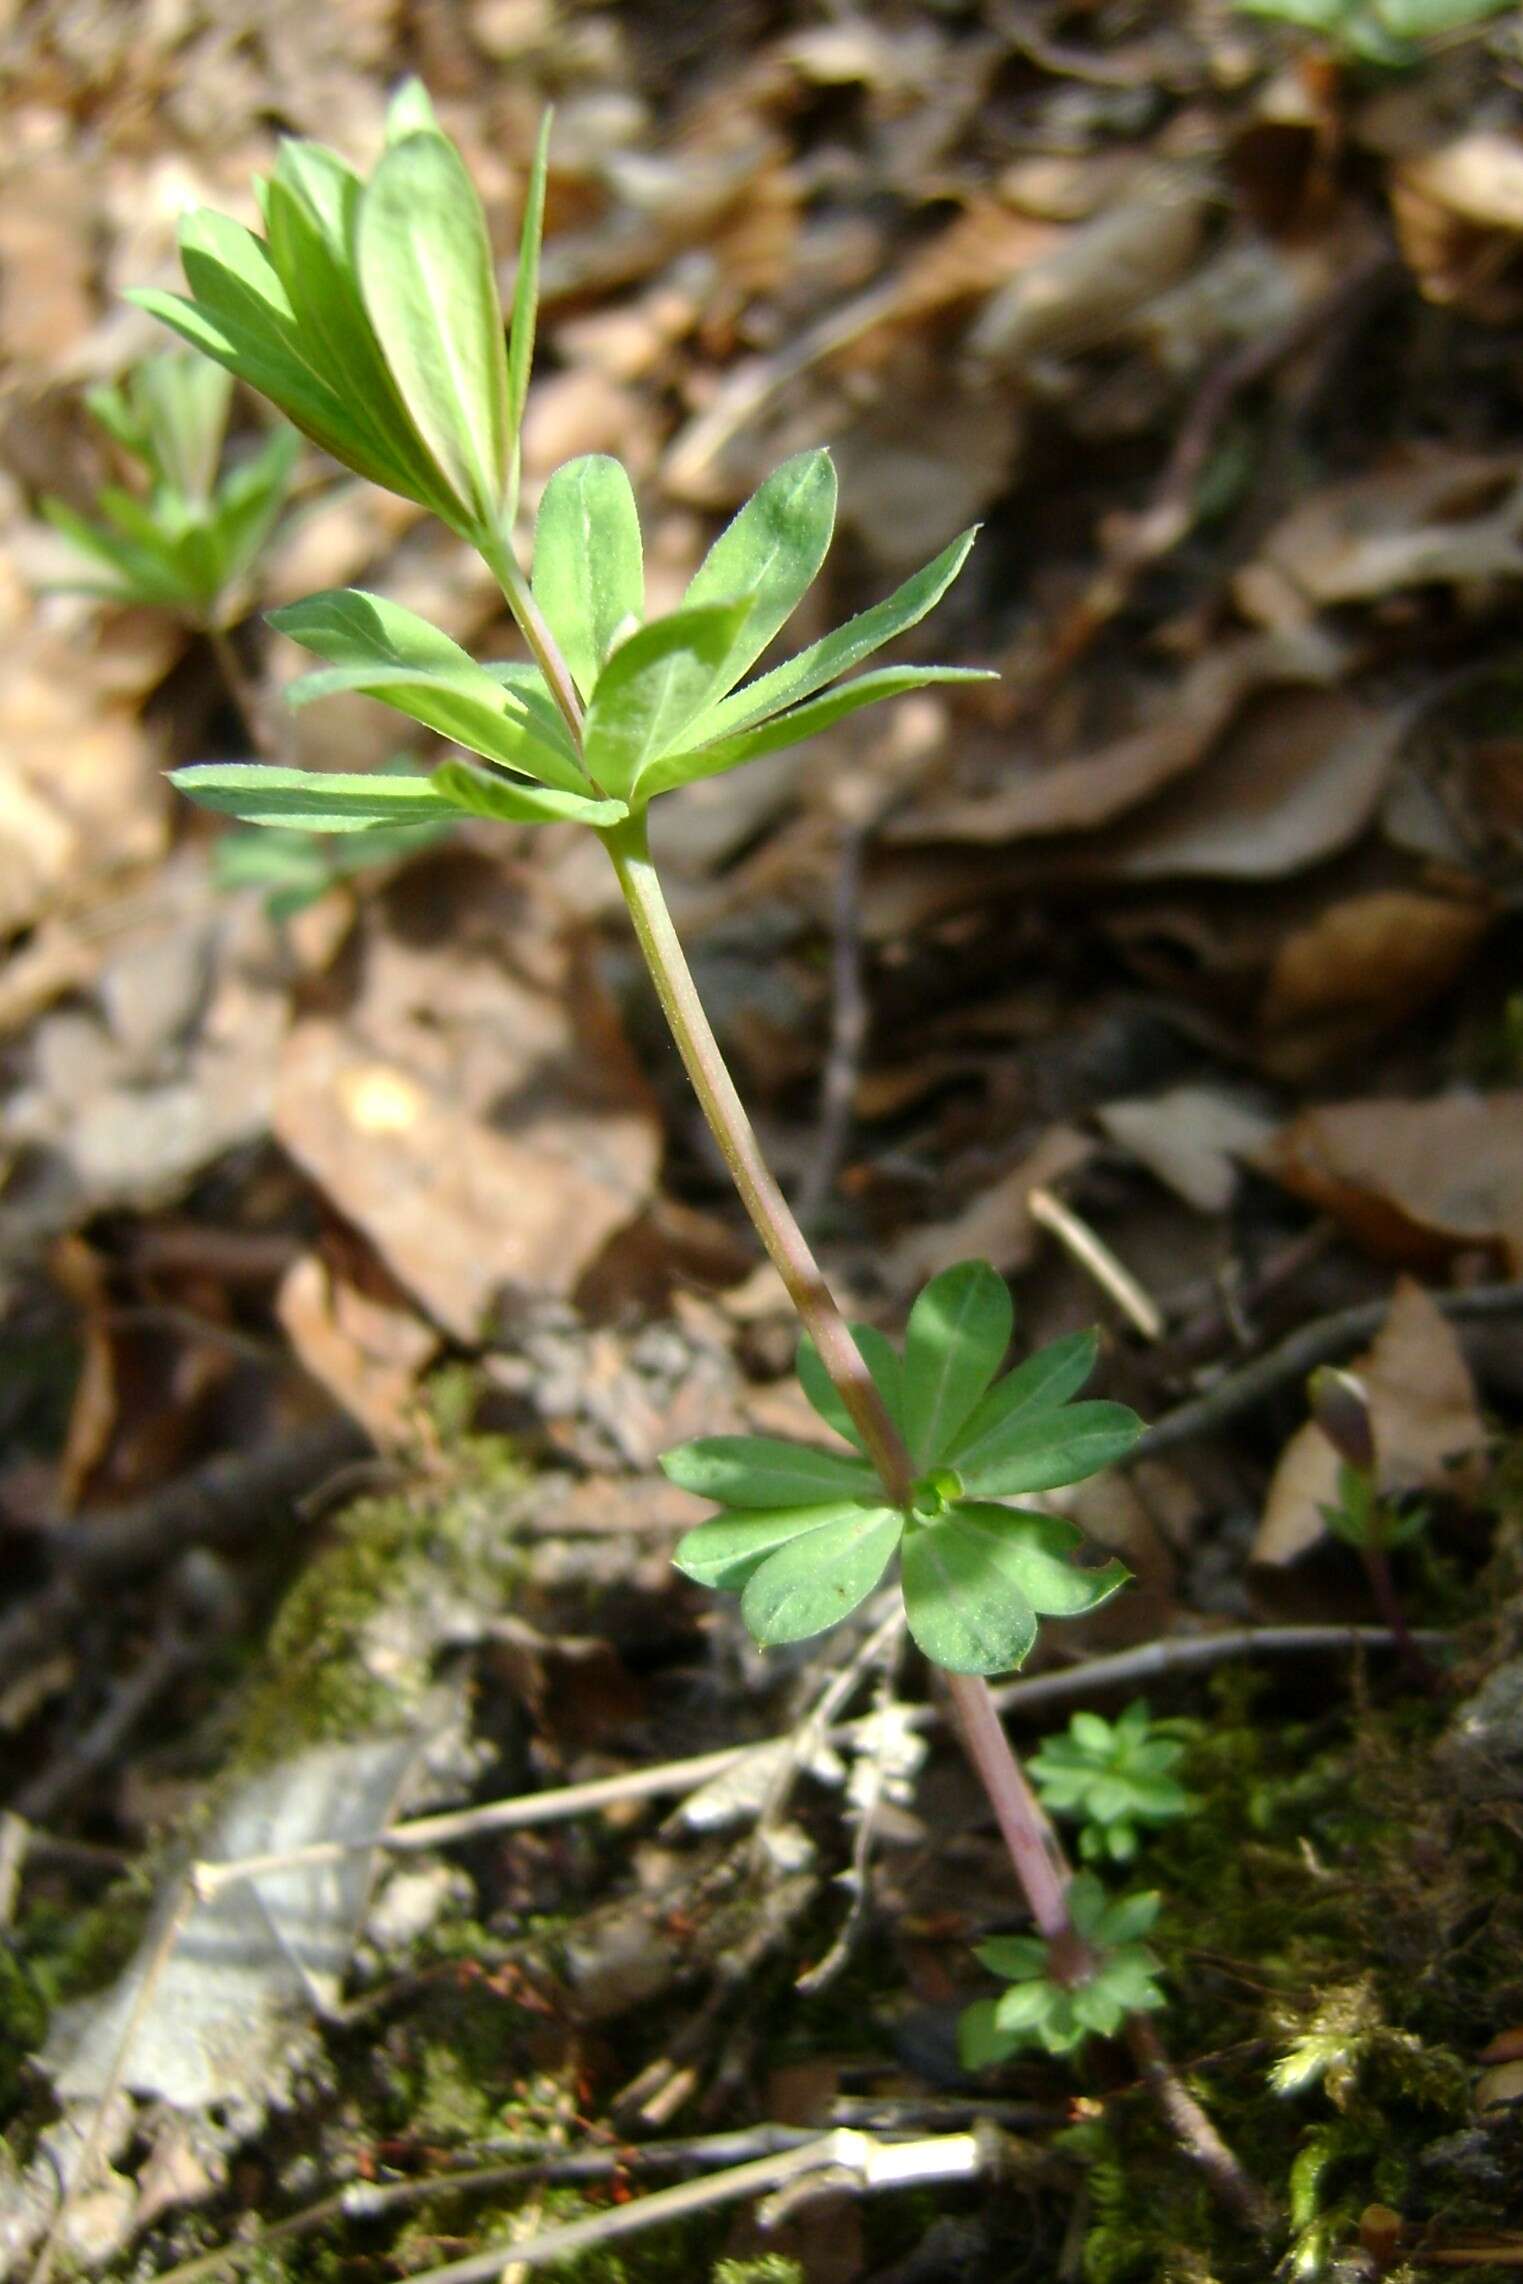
x=361, y=1250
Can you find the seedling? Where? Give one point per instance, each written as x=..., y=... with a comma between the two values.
x=1361, y=1516
x=368, y=312
x=1055, y=2008
x=186, y=540
x=1114, y=1778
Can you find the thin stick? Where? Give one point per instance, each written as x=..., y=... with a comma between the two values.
x=1229, y=2183
x=1313, y=1344
x=1092, y=1253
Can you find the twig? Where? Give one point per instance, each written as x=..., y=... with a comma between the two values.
x=1230, y=2185
x=1314, y=1344
x=1092, y=1253
x=1150, y=1661
x=812, y=1732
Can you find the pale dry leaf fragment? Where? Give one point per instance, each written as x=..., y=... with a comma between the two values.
x=1435, y=517
x=1414, y=1182
x=1363, y=964
x=1426, y=1419
x=354, y=1331
x=1191, y=1137
x=1458, y=211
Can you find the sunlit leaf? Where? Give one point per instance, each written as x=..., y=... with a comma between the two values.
x=768, y=556
x=1041, y=1450
x=650, y=690
x=884, y=1369
x=820, y=1576
x=317, y=801
x=958, y=1332
x=589, y=576
x=484, y=794
x=725, y=1552
x=763, y=1471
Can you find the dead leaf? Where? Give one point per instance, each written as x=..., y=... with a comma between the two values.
x=475, y=1111
x=1363, y=964
x=997, y=1226
x=1458, y=211
x=354, y=1331
x=1425, y=1417
x=1190, y=1137
x=1413, y=1181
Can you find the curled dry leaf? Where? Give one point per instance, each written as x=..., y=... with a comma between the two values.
x=1426, y=1421
x=1437, y=518
x=1365, y=963
x=1413, y=1181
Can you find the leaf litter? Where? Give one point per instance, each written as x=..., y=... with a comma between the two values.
x=1200, y=922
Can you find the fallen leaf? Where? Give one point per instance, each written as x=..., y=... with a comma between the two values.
x=1425, y=1417
x=1364, y=964
x=1190, y=1137
x=1413, y=1181
x=355, y=1332
x=475, y=1111
x=997, y=1226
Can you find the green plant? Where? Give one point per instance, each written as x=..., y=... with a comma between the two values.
x=1389, y=32
x=1057, y=2010
x=186, y=540
x=1114, y=1777
x=368, y=312
x=1361, y=1515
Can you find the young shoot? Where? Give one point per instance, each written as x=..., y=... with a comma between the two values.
x=1114, y=1778
x=1057, y=2010
x=186, y=539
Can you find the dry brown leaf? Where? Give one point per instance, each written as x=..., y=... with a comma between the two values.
x=1363, y=964
x=475, y=1111
x=352, y=1328
x=1426, y=1421
x=1413, y=1181
x=1438, y=517
x=997, y=1226
x=1458, y=211
x=1088, y=790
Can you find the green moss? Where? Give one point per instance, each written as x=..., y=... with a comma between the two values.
x=351, y=1650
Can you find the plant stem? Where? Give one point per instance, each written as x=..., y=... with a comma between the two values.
x=785, y=1242
x=1377, y=1569
x=1033, y=1845
x=497, y=553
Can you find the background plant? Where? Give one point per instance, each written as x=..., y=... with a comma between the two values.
x=1114, y=1778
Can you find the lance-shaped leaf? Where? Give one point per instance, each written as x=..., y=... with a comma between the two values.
x=768, y=556
x=764, y=1471
x=801, y=722
x=820, y=1576
x=113, y=566
x=975, y=1580
x=511, y=801
x=1042, y=1450
x=955, y=1342
x=1041, y=1384
x=837, y=653
x=425, y=270
x=525, y=310
x=589, y=574
x=725, y=1553
x=316, y=800
x=650, y=690
x=884, y=1368
x=392, y=654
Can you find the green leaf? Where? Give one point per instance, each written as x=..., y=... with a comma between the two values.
x=1043, y=1382
x=425, y=271
x=763, y=1471
x=980, y=2042
x=966, y=1609
x=482, y=794
x=1025, y=2007
x=112, y=566
x=1130, y=1918
x=589, y=576
x=317, y=801
x=1033, y=1550
x=724, y=1553
x=650, y=690
x=1018, y=1958
x=1040, y=1452
x=955, y=1342
x=525, y=310
x=410, y=112
x=392, y=654
x=820, y=1576
x=884, y=1369
x=768, y=556
x=835, y=654
x=801, y=723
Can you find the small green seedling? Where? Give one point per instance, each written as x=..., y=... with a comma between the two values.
x=1384, y=32
x=1115, y=1977
x=1362, y=1516
x=1114, y=1778
x=807, y=1534
x=186, y=540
